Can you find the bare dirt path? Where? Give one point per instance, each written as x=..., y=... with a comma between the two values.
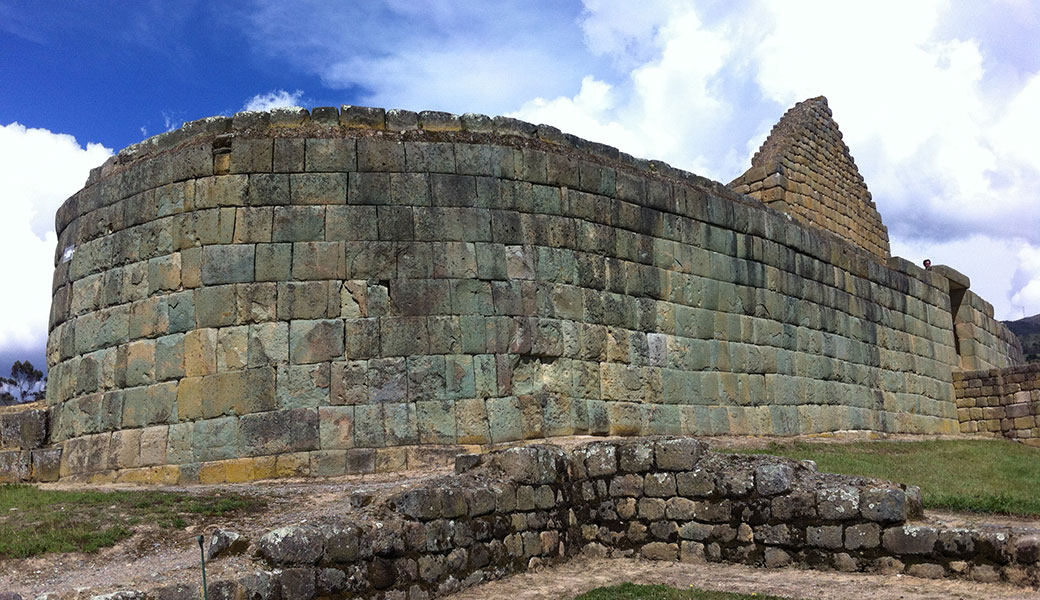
x=581, y=575
x=154, y=556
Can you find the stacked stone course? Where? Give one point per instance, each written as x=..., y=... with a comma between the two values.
x=1000, y=402
x=333, y=291
x=805, y=169
x=23, y=435
x=661, y=499
x=985, y=343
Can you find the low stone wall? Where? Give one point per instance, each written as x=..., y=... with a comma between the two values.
x=662, y=499
x=1001, y=402
x=23, y=433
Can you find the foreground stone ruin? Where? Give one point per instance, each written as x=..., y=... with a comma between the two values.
x=660, y=499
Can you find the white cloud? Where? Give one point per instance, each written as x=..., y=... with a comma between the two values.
x=40, y=169
x=460, y=56
x=1027, y=280
x=273, y=99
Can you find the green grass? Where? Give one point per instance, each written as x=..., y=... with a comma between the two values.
x=986, y=476
x=35, y=521
x=630, y=591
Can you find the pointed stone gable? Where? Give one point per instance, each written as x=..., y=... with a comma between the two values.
x=805, y=170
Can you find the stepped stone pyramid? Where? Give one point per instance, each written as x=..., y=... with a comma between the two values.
x=805, y=170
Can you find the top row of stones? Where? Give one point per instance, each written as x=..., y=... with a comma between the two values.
x=361, y=118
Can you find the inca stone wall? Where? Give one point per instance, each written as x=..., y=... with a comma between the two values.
x=804, y=169
x=983, y=341
x=334, y=291
x=1000, y=402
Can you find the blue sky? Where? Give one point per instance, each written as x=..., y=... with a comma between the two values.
x=937, y=99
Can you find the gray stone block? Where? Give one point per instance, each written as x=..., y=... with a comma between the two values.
x=909, y=539
x=227, y=264
x=884, y=505
x=773, y=479
x=862, y=537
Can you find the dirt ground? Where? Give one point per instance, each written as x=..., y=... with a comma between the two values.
x=154, y=556
x=581, y=575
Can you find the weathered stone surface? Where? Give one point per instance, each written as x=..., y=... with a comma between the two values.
x=883, y=505
x=840, y=503
x=293, y=545
x=864, y=536
x=223, y=542
x=773, y=479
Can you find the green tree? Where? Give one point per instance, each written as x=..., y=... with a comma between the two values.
x=24, y=384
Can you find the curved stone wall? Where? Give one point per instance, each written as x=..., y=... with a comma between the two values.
x=290, y=292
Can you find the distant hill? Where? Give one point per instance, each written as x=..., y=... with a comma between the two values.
x=1028, y=331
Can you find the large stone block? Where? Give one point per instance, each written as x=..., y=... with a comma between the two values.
x=277, y=432
x=317, y=340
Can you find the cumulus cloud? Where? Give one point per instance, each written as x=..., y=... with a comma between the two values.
x=40, y=169
x=460, y=56
x=273, y=99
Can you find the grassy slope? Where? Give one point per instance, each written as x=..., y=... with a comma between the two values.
x=1028, y=331
x=35, y=521
x=994, y=476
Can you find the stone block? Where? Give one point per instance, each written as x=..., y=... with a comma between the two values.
x=909, y=539
x=505, y=419
x=660, y=485
x=400, y=424
x=368, y=426
x=140, y=362
x=200, y=352
x=288, y=156
x=337, y=155
x=318, y=188
x=862, y=537
x=298, y=224
x=699, y=483
x=215, y=306
x=825, y=536
x=303, y=386
x=316, y=340
x=660, y=551
x=277, y=432
x=472, y=425
x=268, y=344
x=840, y=503
x=436, y=421
x=402, y=336
x=349, y=382
x=251, y=155
x=679, y=454
x=773, y=479
x=380, y=155
x=387, y=380
x=221, y=190
x=317, y=260
x=883, y=505
x=150, y=405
